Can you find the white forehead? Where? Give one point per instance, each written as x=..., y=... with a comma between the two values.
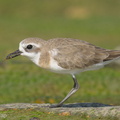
x=23, y=45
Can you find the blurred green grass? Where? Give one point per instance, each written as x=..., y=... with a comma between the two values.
x=27, y=83
x=96, y=22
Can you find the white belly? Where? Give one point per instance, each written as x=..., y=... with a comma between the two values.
x=54, y=67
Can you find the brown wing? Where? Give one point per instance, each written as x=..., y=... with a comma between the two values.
x=74, y=53
x=79, y=56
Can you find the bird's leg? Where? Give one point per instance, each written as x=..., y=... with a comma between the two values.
x=72, y=91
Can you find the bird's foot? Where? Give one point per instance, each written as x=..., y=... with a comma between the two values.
x=55, y=106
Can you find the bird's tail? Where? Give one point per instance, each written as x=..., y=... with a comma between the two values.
x=113, y=54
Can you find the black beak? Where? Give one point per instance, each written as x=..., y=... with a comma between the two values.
x=14, y=54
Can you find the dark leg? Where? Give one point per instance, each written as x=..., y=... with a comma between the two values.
x=73, y=90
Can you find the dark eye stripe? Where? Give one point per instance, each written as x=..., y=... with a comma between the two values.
x=29, y=47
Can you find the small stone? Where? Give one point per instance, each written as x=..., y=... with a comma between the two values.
x=35, y=118
x=65, y=114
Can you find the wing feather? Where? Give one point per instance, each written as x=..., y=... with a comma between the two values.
x=79, y=56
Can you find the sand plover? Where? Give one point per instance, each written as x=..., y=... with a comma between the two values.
x=65, y=55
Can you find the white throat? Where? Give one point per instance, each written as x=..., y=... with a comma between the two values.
x=35, y=58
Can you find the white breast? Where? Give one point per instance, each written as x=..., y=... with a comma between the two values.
x=53, y=63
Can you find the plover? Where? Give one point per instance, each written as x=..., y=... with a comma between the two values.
x=65, y=55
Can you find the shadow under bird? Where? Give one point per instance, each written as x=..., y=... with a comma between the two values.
x=65, y=55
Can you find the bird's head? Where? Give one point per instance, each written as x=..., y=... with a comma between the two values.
x=29, y=47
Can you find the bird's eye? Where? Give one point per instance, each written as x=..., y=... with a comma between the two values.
x=29, y=47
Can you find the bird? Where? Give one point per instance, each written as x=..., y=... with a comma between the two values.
x=65, y=56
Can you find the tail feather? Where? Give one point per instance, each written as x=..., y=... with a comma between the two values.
x=113, y=54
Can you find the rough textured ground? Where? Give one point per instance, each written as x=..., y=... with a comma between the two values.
x=94, y=109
